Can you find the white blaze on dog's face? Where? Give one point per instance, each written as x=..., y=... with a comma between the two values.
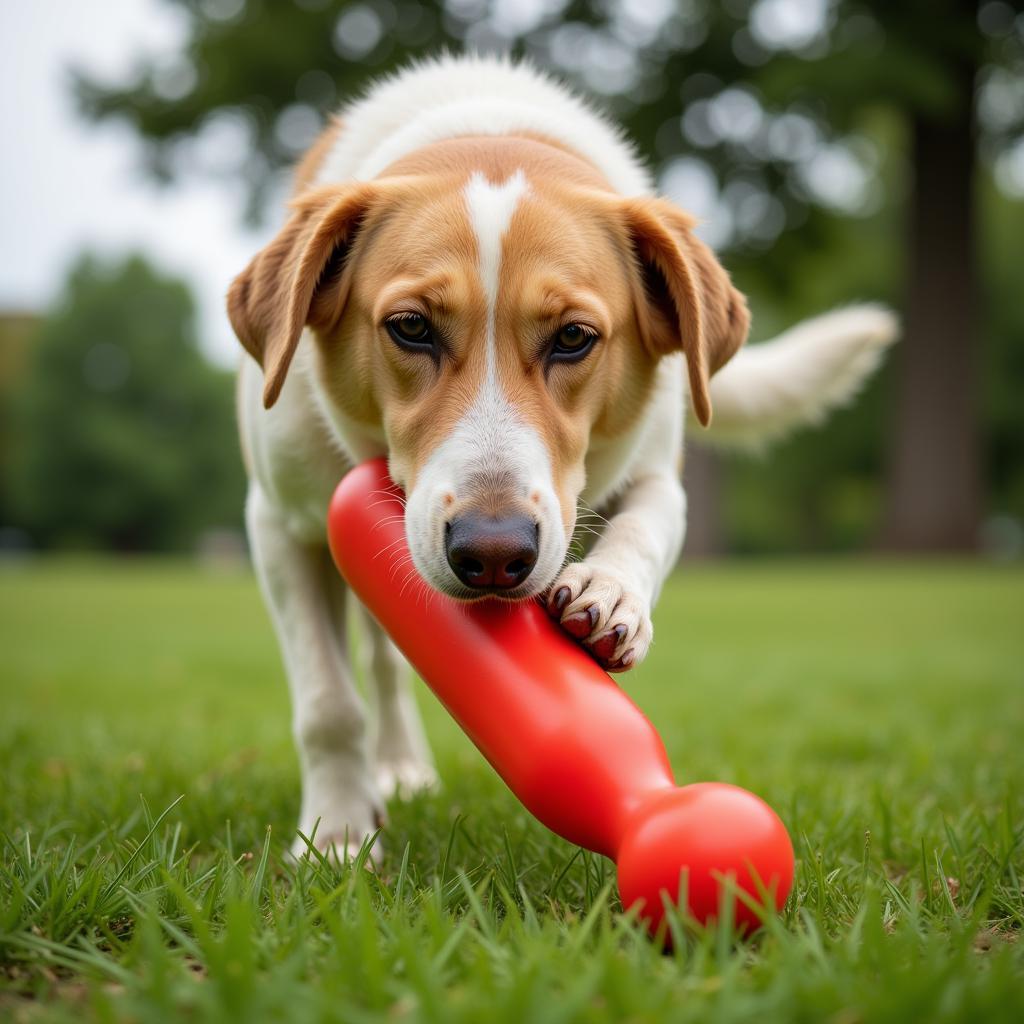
x=485, y=305
x=493, y=465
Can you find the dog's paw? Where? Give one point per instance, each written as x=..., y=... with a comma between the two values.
x=338, y=848
x=403, y=778
x=341, y=834
x=612, y=622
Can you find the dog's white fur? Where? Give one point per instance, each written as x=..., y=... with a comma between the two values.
x=464, y=96
x=796, y=380
x=299, y=449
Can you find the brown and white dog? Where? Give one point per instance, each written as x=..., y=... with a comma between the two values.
x=477, y=281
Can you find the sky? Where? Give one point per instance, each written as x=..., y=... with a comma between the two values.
x=66, y=184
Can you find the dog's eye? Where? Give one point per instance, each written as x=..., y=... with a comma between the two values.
x=572, y=343
x=411, y=331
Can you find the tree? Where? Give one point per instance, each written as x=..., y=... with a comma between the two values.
x=784, y=119
x=124, y=433
x=17, y=333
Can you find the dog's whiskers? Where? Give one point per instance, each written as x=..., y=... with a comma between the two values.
x=398, y=564
x=388, y=547
x=389, y=496
x=586, y=510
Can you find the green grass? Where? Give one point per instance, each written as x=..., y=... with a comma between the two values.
x=878, y=707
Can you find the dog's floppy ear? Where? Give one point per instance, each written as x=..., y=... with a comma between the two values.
x=689, y=301
x=298, y=279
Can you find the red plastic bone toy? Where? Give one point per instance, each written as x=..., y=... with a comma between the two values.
x=569, y=743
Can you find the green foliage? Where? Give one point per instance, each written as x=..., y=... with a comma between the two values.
x=260, y=65
x=877, y=708
x=123, y=433
x=247, y=68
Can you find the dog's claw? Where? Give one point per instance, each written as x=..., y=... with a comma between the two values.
x=580, y=625
x=624, y=663
x=604, y=647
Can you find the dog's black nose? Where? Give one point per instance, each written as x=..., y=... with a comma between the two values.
x=491, y=554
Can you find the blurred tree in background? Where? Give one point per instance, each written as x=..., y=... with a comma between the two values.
x=125, y=433
x=18, y=330
x=837, y=149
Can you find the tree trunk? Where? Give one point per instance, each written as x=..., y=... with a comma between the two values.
x=934, y=493
x=705, y=531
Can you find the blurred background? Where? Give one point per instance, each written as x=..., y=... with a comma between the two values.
x=836, y=151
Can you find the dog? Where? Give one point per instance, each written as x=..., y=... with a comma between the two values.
x=477, y=280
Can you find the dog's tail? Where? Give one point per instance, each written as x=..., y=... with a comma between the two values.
x=796, y=379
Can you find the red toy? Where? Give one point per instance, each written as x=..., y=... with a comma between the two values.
x=569, y=743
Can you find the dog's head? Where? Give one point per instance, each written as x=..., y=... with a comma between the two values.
x=491, y=307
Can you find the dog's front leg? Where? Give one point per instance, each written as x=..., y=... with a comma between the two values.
x=339, y=796
x=605, y=601
x=404, y=765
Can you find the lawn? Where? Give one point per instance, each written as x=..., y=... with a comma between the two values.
x=878, y=707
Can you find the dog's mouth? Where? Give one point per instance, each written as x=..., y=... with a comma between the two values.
x=472, y=595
